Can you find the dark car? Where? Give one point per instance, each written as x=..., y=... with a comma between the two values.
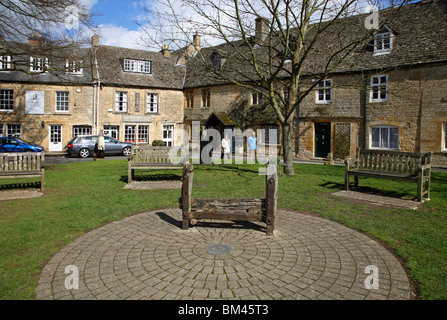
x=11, y=144
x=84, y=146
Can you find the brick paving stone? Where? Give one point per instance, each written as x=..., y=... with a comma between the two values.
x=149, y=257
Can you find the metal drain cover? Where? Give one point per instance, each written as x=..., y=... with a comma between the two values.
x=218, y=249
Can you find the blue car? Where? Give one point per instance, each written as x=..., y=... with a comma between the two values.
x=9, y=144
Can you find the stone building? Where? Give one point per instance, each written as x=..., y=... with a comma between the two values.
x=390, y=94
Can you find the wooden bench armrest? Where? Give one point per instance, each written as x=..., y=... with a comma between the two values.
x=425, y=167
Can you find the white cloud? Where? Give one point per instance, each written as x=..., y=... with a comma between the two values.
x=119, y=36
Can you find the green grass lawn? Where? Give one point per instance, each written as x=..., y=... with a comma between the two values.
x=83, y=196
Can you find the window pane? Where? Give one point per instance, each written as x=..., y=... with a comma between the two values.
x=394, y=138
x=375, y=133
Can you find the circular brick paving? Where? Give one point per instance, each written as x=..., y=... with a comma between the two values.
x=149, y=256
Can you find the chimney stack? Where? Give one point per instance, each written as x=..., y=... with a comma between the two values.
x=165, y=51
x=261, y=29
x=35, y=40
x=196, y=41
x=95, y=41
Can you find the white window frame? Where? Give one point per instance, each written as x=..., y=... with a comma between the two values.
x=62, y=105
x=140, y=66
x=112, y=131
x=6, y=100
x=169, y=138
x=152, y=103
x=74, y=67
x=143, y=134
x=380, y=45
x=380, y=87
x=13, y=130
x=82, y=131
x=444, y=136
x=380, y=147
x=323, y=89
x=38, y=64
x=130, y=133
x=121, y=101
x=5, y=62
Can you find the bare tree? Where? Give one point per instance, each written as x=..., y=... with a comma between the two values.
x=270, y=46
x=52, y=29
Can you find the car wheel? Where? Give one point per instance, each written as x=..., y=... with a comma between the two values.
x=84, y=153
x=126, y=151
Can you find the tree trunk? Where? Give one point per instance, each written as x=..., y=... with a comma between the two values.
x=288, y=149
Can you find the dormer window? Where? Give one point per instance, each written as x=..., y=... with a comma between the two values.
x=216, y=61
x=140, y=66
x=5, y=62
x=383, y=41
x=38, y=64
x=73, y=67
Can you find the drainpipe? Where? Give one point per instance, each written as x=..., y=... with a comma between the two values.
x=365, y=104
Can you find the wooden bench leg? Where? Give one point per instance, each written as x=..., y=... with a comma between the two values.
x=420, y=186
x=185, y=223
x=42, y=181
x=346, y=181
x=356, y=181
x=129, y=175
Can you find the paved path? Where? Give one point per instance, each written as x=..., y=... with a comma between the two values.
x=148, y=256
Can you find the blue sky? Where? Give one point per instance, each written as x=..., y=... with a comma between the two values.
x=115, y=18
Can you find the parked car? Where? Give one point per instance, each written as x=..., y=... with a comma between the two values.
x=11, y=144
x=84, y=146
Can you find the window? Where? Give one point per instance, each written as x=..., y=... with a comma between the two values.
x=143, y=134
x=206, y=98
x=82, y=131
x=120, y=101
x=13, y=130
x=152, y=103
x=112, y=131
x=140, y=66
x=38, y=64
x=74, y=67
x=1, y=129
x=216, y=61
x=383, y=42
x=385, y=137
x=256, y=97
x=6, y=100
x=379, y=87
x=444, y=136
x=268, y=133
x=129, y=133
x=189, y=99
x=5, y=62
x=324, y=92
x=168, y=135
x=62, y=100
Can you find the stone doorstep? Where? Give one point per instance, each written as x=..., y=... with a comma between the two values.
x=377, y=199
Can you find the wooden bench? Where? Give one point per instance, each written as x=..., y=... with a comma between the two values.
x=21, y=165
x=235, y=209
x=414, y=167
x=150, y=157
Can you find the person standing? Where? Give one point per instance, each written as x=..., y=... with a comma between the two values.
x=226, y=145
x=252, y=146
x=101, y=147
